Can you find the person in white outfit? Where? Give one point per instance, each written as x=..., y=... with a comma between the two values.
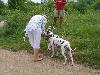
x=33, y=30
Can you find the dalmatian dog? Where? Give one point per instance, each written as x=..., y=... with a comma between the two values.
x=48, y=34
x=54, y=42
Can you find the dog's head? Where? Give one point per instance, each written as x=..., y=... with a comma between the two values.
x=50, y=28
x=49, y=34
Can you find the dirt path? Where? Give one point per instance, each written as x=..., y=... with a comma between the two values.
x=21, y=63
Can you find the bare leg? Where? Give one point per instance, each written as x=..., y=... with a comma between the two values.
x=36, y=55
x=55, y=20
x=61, y=21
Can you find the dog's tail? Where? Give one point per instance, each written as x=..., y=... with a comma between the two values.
x=69, y=48
x=73, y=50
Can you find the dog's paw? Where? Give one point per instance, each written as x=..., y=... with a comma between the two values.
x=64, y=63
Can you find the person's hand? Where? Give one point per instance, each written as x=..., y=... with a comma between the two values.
x=61, y=3
x=26, y=35
x=43, y=35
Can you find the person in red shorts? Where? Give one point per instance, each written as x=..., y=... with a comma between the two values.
x=59, y=10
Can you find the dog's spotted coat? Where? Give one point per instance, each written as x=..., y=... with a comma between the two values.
x=54, y=42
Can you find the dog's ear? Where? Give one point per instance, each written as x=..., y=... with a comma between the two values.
x=49, y=26
x=53, y=27
x=47, y=32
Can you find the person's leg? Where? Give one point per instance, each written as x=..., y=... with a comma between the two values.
x=55, y=17
x=36, y=54
x=34, y=39
x=55, y=20
x=36, y=45
x=61, y=21
x=30, y=38
x=61, y=15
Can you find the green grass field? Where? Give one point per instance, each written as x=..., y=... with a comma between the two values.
x=82, y=30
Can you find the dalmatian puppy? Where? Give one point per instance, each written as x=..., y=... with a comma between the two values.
x=59, y=42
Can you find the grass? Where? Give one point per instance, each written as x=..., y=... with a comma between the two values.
x=82, y=30
x=89, y=58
